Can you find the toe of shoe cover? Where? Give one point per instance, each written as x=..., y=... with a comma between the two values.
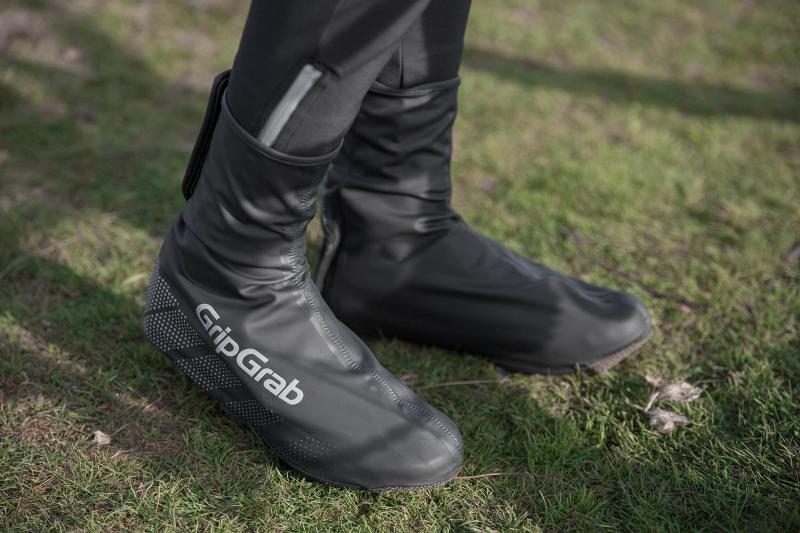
x=589, y=324
x=410, y=452
x=361, y=437
x=369, y=437
x=467, y=292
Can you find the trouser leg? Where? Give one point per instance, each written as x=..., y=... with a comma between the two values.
x=303, y=66
x=431, y=50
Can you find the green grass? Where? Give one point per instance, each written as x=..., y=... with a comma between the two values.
x=648, y=146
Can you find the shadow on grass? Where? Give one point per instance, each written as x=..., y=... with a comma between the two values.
x=695, y=98
x=58, y=353
x=110, y=134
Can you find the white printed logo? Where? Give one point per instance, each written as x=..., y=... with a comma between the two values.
x=250, y=360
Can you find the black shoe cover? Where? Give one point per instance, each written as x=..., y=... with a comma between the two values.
x=398, y=261
x=232, y=305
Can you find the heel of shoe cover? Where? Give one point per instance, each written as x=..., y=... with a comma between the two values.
x=168, y=329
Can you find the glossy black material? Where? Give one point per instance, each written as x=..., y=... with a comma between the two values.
x=398, y=261
x=235, y=258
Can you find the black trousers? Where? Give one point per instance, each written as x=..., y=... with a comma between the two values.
x=304, y=66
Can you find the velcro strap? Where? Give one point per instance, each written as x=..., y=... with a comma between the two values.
x=200, y=150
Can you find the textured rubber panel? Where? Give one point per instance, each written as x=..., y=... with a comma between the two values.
x=158, y=295
x=165, y=325
x=306, y=450
x=252, y=412
x=170, y=330
x=208, y=371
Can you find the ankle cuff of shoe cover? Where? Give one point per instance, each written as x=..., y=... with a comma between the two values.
x=218, y=107
x=417, y=90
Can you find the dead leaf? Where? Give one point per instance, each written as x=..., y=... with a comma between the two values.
x=676, y=391
x=488, y=184
x=409, y=379
x=101, y=439
x=654, y=382
x=793, y=254
x=651, y=401
x=665, y=421
x=662, y=420
x=680, y=392
x=134, y=278
x=72, y=54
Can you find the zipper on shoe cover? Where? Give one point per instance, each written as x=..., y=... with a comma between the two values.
x=277, y=120
x=332, y=236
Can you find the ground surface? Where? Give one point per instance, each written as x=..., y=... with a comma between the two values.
x=650, y=146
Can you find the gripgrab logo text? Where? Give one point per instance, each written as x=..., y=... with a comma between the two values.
x=251, y=361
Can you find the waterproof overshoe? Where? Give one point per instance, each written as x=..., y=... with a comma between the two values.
x=232, y=305
x=397, y=261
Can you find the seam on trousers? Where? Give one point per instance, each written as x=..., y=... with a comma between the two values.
x=400, y=64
